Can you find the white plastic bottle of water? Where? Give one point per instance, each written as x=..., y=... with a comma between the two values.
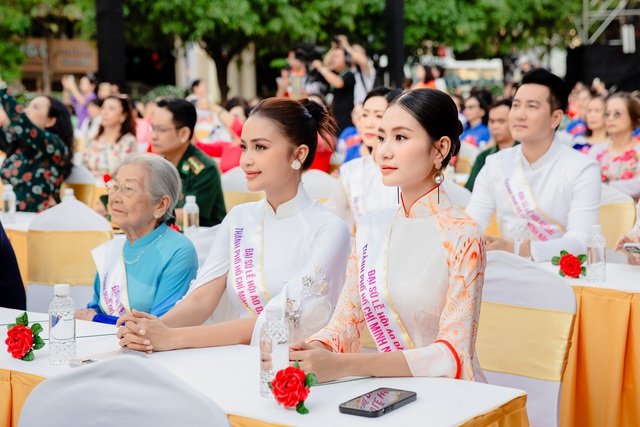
x=68, y=195
x=521, y=235
x=8, y=204
x=62, y=327
x=274, y=348
x=191, y=216
x=596, y=262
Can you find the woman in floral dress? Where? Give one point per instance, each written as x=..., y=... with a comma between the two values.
x=620, y=158
x=38, y=142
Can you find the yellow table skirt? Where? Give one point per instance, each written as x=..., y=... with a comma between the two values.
x=603, y=371
x=16, y=386
x=18, y=241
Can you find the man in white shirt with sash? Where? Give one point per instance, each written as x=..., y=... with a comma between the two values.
x=555, y=188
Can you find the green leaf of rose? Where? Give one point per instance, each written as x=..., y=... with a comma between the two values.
x=296, y=364
x=38, y=343
x=11, y=326
x=36, y=328
x=270, y=386
x=29, y=356
x=582, y=258
x=310, y=380
x=301, y=409
x=555, y=260
x=562, y=273
x=583, y=271
x=23, y=320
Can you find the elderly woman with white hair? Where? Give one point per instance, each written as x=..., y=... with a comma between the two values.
x=151, y=269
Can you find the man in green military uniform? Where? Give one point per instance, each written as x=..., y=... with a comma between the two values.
x=501, y=138
x=171, y=133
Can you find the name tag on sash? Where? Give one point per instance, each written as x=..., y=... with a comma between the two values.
x=114, y=299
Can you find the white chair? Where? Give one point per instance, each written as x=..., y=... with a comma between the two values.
x=82, y=182
x=459, y=195
x=524, y=333
x=466, y=157
x=234, y=188
x=59, y=243
x=318, y=185
x=125, y=386
x=203, y=241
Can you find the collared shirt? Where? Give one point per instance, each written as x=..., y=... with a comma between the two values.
x=566, y=188
x=201, y=178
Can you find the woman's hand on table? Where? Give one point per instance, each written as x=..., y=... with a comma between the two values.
x=86, y=314
x=316, y=358
x=145, y=332
x=633, y=259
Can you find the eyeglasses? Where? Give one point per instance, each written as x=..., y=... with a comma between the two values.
x=159, y=129
x=471, y=107
x=127, y=190
x=615, y=114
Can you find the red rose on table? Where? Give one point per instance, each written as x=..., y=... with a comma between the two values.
x=19, y=341
x=570, y=265
x=289, y=386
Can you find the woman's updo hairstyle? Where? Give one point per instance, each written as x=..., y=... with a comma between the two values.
x=301, y=121
x=437, y=114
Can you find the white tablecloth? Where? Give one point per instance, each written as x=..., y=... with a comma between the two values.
x=619, y=277
x=229, y=376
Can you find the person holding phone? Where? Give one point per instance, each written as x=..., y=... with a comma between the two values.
x=416, y=272
x=630, y=243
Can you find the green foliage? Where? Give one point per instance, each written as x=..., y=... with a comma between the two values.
x=164, y=91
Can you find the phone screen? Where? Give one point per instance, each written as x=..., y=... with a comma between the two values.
x=378, y=399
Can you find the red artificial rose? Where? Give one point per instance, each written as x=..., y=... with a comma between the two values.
x=19, y=341
x=289, y=388
x=570, y=265
x=106, y=178
x=175, y=227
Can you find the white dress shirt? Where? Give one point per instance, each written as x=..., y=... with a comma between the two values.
x=565, y=184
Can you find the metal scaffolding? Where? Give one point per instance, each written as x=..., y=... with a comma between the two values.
x=597, y=16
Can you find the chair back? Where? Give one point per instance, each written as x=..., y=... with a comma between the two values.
x=59, y=243
x=318, y=185
x=82, y=182
x=234, y=189
x=617, y=214
x=458, y=195
x=524, y=333
x=147, y=393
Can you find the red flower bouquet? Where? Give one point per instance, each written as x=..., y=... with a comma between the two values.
x=22, y=340
x=290, y=387
x=570, y=265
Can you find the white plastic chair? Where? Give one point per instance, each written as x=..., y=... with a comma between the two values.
x=59, y=243
x=234, y=188
x=125, y=386
x=458, y=195
x=517, y=289
x=318, y=185
x=82, y=182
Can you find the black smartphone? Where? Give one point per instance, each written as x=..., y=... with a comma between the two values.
x=378, y=402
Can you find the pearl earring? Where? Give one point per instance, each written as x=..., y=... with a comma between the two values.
x=296, y=165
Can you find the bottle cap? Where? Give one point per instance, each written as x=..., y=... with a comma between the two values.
x=61, y=290
x=68, y=194
x=596, y=228
x=274, y=312
x=190, y=199
x=8, y=187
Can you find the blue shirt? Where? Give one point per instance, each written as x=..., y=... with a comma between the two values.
x=478, y=135
x=159, y=278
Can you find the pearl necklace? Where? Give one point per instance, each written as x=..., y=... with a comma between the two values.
x=144, y=250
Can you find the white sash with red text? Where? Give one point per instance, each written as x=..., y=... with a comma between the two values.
x=383, y=321
x=114, y=298
x=245, y=270
x=524, y=203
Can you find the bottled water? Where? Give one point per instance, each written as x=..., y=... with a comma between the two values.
x=191, y=216
x=596, y=263
x=274, y=348
x=68, y=195
x=62, y=327
x=521, y=235
x=8, y=204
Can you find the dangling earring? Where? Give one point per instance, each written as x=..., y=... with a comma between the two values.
x=296, y=165
x=438, y=178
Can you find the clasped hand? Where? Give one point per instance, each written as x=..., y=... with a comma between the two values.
x=316, y=358
x=142, y=332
